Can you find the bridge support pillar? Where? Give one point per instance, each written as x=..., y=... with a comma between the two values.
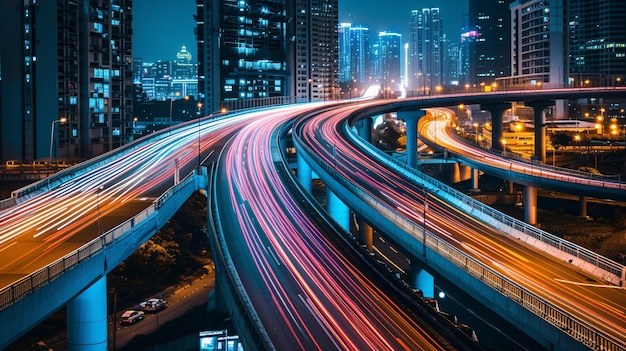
x=366, y=234
x=475, y=180
x=530, y=204
x=304, y=174
x=582, y=201
x=338, y=210
x=511, y=188
x=540, y=127
x=422, y=280
x=411, y=118
x=364, y=129
x=87, y=319
x=497, y=116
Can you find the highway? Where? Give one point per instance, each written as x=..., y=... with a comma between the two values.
x=600, y=305
x=308, y=296
x=41, y=229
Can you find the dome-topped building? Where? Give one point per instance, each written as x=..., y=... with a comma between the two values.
x=183, y=56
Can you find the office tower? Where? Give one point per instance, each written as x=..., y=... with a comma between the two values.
x=597, y=42
x=390, y=50
x=67, y=60
x=425, y=50
x=266, y=49
x=324, y=47
x=345, y=64
x=538, y=45
x=490, y=52
x=359, y=52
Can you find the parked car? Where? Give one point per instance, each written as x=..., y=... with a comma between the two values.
x=13, y=164
x=131, y=317
x=153, y=305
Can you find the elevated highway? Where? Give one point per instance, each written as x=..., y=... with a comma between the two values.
x=493, y=258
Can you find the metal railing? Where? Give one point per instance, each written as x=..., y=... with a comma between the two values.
x=577, y=329
x=26, y=285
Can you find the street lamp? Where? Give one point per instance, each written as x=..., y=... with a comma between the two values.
x=476, y=126
x=60, y=120
x=199, y=152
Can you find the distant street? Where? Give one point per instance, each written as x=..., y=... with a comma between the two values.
x=180, y=302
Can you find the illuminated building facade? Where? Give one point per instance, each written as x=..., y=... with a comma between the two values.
x=426, y=66
x=68, y=60
x=265, y=49
x=597, y=42
x=490, y=53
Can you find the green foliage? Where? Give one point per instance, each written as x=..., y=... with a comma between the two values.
x=560, y=139
x=175, y=251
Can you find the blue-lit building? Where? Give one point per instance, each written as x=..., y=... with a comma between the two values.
x=426, y=51
x=65, y=61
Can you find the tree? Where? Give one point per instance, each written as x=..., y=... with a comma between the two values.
x=560, y=139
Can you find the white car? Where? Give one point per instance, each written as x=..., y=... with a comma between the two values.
x=131, y=317
x=153, y=305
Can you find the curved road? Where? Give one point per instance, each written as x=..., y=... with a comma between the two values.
x=307, y=295
x=582, y=295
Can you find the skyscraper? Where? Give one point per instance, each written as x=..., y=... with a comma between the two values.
x=597, y=42
x=426, y=67
x=490, y=52
x=538, y=44
x=266, y=49
x=359, y=52
x=345, y=64
x=390, y=50
x=68, y=60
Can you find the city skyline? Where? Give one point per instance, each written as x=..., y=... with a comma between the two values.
x=162, y=27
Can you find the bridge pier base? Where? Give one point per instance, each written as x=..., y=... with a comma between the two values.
x=497, y=117
x=304, y=174
x=364, y=129
x=87, y=319
x=582, y=201
x=411, y=118
x=475, y=187
x=366, y=234
x=530, y=205
x=539, y=108
x=338, y=210
x=423, y=281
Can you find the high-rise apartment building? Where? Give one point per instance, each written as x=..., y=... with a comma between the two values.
x=345, y=64
x=596, y=42
x=390, y=50
x=426, y=66
x=538, y=44
x=490, y=50
x=359, y=52
x=266, y=49
x=65, y=60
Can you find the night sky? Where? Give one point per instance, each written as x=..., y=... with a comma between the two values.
x=162, y=27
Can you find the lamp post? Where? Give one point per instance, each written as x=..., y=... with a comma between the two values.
x=199, y=152
x=476, y=126
x=60, y=120
x=310, y=88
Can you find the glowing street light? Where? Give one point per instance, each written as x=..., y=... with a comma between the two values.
x=60, y=121
x=476, y=126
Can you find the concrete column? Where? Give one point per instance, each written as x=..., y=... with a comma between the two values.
x=364, y=129
x=366, y=234
x=530, y=204
x=582, y=201
x=338, y=210
x=304, y=174
x=497, y=116
x=411, y=118
x=475, y=180
x=540, y=127
x=511, y=188
x=422, y=280
x=87, y=319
